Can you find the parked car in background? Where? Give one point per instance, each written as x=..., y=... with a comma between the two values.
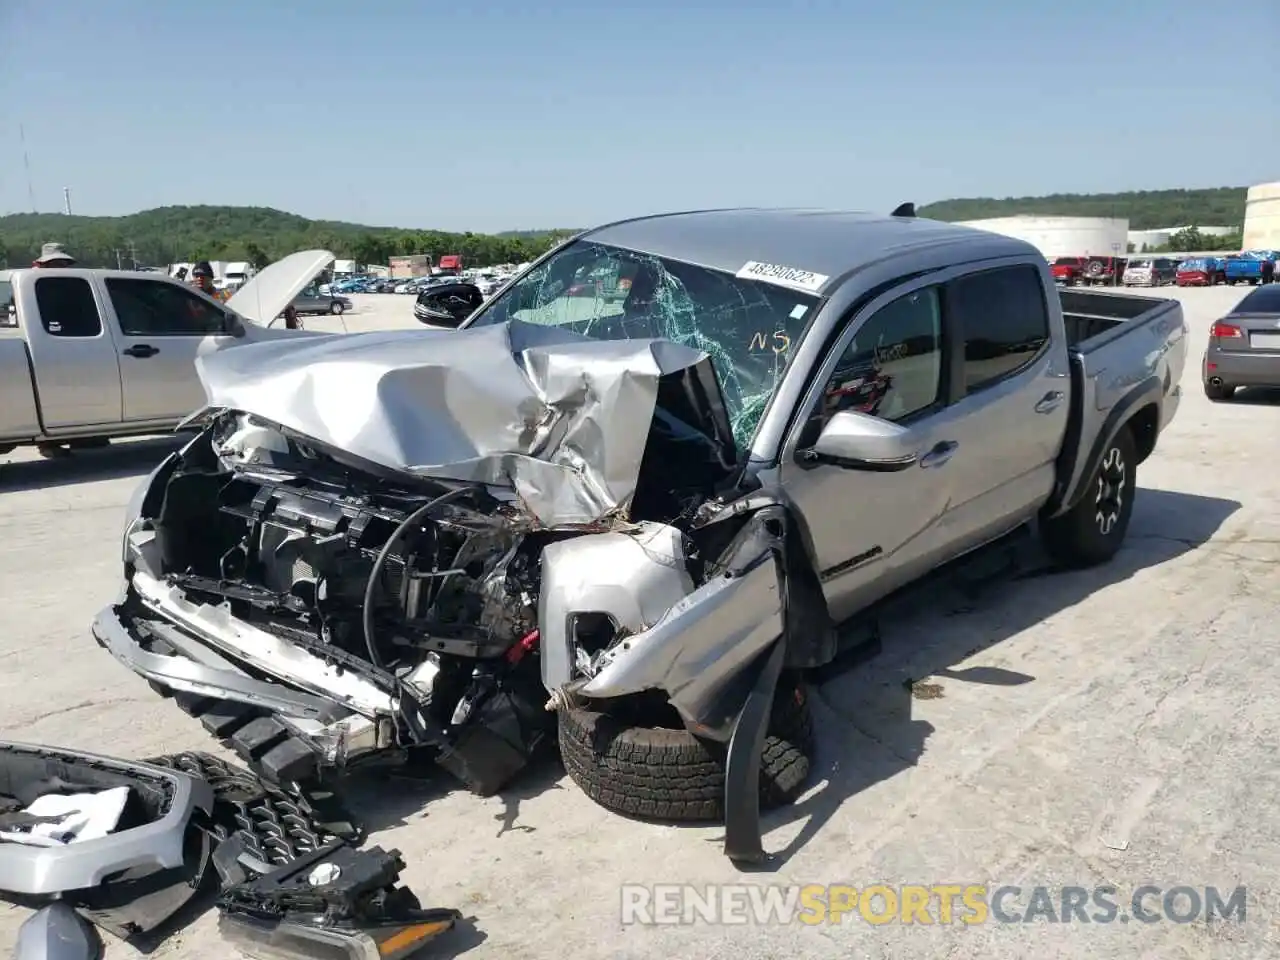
x=1067, y=270
x=1247, y=267
x=1150, y=272
x=1201, y=272
x=311, y=300
x=87, y=355
x=1103, y=270
x=1244, y=346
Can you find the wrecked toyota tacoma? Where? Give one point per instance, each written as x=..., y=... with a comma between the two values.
x=629, y=500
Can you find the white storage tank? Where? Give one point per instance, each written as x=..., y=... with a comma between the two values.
x=1063, y=236
x=1262, y=217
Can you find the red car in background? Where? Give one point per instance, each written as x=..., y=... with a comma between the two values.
x=1201, y=272
x=1067, y=270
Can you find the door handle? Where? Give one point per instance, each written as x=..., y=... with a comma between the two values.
x=1050, y=401
x=141, y=350
x=940, y=454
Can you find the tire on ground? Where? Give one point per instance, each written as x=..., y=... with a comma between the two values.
x=664, y=774
x=1092, y=531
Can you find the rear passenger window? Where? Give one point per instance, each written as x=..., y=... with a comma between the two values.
x=1004, y=321
x=893, y=367
x=8, y=308
x=67, y=307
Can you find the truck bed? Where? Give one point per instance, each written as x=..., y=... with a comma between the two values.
x=1094, y=319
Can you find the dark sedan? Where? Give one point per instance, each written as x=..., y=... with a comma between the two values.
x=1244, y=346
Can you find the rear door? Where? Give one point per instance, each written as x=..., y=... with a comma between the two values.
x=162, y=327
x=1010, y=407
x=76, y=360
x=872, y=532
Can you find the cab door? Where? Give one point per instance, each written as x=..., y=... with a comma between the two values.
x=872, y=532
x=1011, y=402
x=162, y=326
x=73, y=355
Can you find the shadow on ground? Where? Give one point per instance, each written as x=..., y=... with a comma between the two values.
x=387, y=801
x=1256, y=397
x=863, y=715
x=124, y=458
x=866, y=729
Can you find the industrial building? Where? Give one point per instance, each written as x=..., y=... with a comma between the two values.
x=1262, y=217
x=1063, y=236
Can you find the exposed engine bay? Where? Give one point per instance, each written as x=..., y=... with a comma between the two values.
x=421, y=596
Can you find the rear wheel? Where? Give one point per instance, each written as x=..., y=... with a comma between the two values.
x=1217, y=392
x=337, y=307
x=1092, y=531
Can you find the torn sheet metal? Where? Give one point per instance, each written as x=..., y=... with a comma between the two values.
x=702, y=643
x=559, y=418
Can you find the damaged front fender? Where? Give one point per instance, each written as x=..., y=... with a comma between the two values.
x=707, y=638
x=705, y=651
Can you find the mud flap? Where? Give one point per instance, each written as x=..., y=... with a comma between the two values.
x=742, y=836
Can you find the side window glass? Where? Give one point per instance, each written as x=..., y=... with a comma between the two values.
x=149, y=308
x=67, y=307
x=8, y=307
x=893, y=367
x=1003, y=319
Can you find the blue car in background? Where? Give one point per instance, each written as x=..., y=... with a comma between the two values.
x=1247, y=267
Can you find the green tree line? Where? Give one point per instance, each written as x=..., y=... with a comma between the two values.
x=261, y=234
x=1192, y=240
x=257, y=234
x=1144, y=209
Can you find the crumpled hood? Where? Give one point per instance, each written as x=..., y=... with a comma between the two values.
x=560, y=419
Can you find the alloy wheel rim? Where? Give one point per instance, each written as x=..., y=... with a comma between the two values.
x=1111, y=491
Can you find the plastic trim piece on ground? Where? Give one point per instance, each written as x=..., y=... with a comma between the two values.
x=287, y=877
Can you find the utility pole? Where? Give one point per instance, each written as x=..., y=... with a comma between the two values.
x=119, y=265
x=26, y=163
x=66, y=200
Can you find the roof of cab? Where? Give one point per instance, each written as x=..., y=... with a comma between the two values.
x=831, y=243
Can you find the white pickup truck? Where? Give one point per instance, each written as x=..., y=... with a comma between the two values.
x=86, y=355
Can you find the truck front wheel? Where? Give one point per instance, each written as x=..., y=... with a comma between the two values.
x=1092, y=531
x=663, y=773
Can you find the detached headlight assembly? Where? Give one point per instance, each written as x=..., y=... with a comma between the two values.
x=335, y=903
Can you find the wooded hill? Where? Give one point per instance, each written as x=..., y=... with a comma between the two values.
x=261, y=234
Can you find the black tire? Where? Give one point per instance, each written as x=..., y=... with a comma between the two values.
x=336, y=308
x=657, y=773
x=1219, y=392
x=1092, y=531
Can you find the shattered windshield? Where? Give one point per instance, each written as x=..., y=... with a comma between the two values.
x=748, y=328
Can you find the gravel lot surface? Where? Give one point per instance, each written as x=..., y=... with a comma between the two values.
x=1112, y=726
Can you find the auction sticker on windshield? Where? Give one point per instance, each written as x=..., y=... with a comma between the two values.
x=792, y=277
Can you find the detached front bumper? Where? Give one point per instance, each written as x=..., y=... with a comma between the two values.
x=285, y=733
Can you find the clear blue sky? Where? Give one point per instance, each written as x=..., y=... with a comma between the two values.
x=497, y=114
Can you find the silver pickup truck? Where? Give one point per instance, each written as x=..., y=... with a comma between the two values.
x=86, y=355
x=629, y=500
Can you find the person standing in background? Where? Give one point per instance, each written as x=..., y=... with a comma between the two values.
x=52, y=255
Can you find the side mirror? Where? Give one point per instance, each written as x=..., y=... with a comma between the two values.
x=232, y=325
x=857, y=441
x=448, y=304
